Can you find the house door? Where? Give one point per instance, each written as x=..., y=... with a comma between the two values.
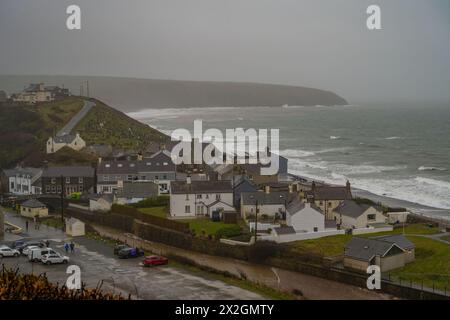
x=200, y=210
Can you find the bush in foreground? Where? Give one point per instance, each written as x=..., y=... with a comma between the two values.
x=16, y=286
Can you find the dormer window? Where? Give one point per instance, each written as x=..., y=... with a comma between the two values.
x=131, y=165
x=119, y=165
x=149, y=163
x=165, y=164
x=107, y=165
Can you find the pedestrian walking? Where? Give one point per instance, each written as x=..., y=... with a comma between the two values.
x=66, y=247
x=72, y=247
x=47, y=243
x=26, y=225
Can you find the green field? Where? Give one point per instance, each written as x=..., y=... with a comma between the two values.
x=105, y=125
x=432, y=264
x=334, y=245
x=205, y=226
x=155, y=211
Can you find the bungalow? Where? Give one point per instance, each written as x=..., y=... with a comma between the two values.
x=33, y=208
x=327, y=198
x=135, y=191
x=352, y=215
x=21, y=181
x=56, y=143
x=270, y=204
x=389, y=254
x=200, y=198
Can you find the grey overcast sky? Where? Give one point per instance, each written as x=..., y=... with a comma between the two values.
x=316, y=43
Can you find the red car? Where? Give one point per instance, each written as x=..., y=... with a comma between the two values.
x=155, y=261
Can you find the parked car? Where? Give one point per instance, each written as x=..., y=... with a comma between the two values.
x=27, y=249
x=39, y=244
x=120, y=247
x=8, y=252
x=150, y=261
x=54, y=258
x=35, y=255
x=130, y=253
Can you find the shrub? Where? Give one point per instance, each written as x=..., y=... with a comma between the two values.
x=16, y=286
x=228, y=232
x=261, y=251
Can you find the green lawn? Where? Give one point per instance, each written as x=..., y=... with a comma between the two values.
x=155, y=211
x=432, y=264
x=446, y=238
x=334, y=245
x=208, y=226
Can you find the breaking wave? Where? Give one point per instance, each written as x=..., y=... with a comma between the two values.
x=424, y=168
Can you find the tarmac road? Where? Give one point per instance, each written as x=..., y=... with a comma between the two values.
x=76, y=119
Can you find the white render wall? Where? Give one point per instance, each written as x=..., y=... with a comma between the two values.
x=179, y=201
x=306, y=220
x=300, y=236
x=267, y=209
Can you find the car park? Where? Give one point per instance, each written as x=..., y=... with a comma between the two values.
x=8, y=252
x=35, y=255
x=130, y=253
x=150, y=261
x=39, y=244
x=54, y=258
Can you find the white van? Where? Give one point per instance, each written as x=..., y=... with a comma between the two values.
x=36, y=254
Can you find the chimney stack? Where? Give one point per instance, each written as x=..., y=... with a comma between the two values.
x=99, y=160
x=267, y=189
x=188, y=180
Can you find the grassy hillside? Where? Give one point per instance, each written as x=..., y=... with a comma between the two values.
x=106, y=125
x=25, y=129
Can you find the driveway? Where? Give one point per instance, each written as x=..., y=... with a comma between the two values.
x=76, y=118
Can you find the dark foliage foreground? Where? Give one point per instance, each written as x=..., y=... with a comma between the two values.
x=16, y=286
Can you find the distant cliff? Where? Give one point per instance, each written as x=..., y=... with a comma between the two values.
x=127, y=94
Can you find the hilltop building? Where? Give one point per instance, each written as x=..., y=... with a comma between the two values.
x=37, y=92
x=56, y=143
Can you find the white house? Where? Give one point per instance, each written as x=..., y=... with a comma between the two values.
x=269, y=204
x=22, y=181
x=200, y=198
x=352, y=215
x=394, y=217
x=305, y=217
x=74, y=142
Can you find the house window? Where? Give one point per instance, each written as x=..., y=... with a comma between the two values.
x=199, y=196
x=12, y=185
x=129, y=177
x=316, y=229
x=187, y=196
x=53, y=188
x=68, y=180
x=330, y=204
x=105, y=178
x=156, y=177
x=80, y=180
x=207, y=196
x=371, y=217
x=58, y=188
x=320, y=203
x=164, y=177
x=143, y=177
x=187, y=209
x=47, y=188
x=80, y=188
x=218, y=196
x=53, y=180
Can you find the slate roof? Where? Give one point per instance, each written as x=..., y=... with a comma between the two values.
x=329, y=193
x=33, y=203
x=296, y=205
x=32, y=172
x=366, y=248
x=138, y=190
x=67, y=138
x=74, y=171
x=277, y=197
x=398, y=239
x=200, y=186
x=118, y=167
x=284, y=230
x=352, y=209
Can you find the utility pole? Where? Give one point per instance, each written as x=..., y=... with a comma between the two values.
x=62, y=198
x=256, y=221
x=87, y=88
